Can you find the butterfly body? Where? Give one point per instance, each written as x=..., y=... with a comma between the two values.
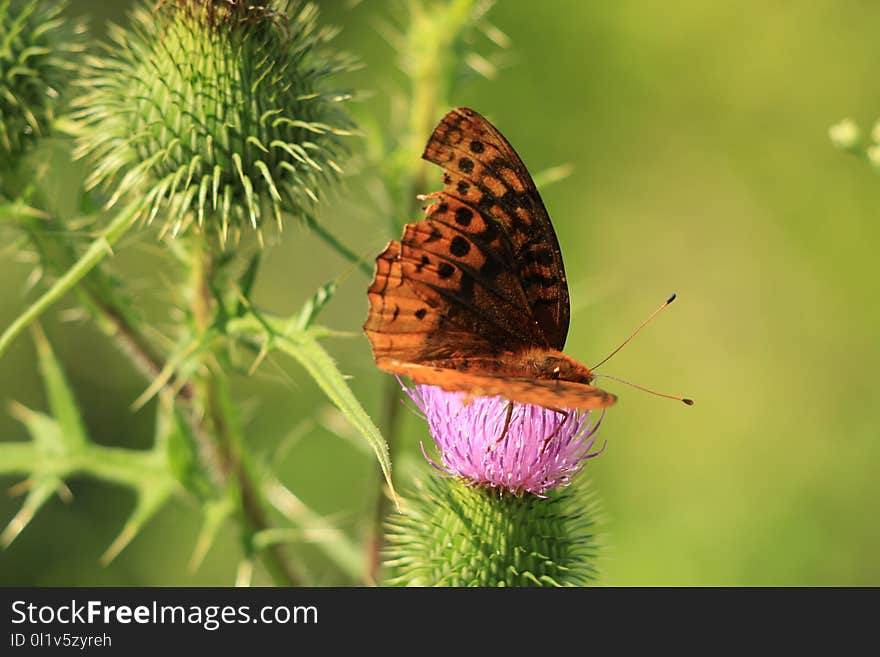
x=474, y=296
x=548, y=365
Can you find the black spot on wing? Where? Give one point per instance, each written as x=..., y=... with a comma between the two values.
x=463, y=216
x=445, y=270
x=459, y=246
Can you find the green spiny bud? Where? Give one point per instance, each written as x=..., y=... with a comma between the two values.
x=451, y=534
x=37, y=51
x=216, y=112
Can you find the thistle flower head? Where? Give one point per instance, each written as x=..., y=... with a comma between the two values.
x=540, y=449
x=37, y=49
x=215, y=112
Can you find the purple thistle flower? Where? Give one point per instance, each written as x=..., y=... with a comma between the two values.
x=542, y=449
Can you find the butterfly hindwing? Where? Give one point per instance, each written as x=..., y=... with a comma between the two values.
x=484, y=173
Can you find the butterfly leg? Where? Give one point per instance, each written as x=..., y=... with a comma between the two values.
x=507, y=417
x=555, y=433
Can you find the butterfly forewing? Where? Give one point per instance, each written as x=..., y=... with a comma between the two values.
x=484, y=173
x=469, y=272
x=473, y=298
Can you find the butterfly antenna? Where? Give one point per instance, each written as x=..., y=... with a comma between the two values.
x=362, y=262
x=634, y=333
x=689, y=402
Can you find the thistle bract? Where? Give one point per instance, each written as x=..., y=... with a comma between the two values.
x=532, y=450
x=450, y=534
x=37, y=51
x=215, y=113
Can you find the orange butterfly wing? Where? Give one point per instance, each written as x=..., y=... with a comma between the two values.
x=401, y=323
x=525, y=390
x=481, y=276
x=484, y=173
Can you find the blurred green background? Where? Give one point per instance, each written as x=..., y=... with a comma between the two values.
x=702, y=165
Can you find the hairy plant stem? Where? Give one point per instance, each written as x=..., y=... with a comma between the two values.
x=133, y=344
x=222, y=448
x=217, y=448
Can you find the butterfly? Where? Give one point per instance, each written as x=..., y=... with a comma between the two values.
x=473, y=297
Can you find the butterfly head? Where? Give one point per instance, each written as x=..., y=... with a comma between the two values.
x=556, y=366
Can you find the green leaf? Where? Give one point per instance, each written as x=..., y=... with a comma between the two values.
x=47, y=442
x=174, y=437
x=322, y=368
x=18, y=211
x=309, y=527
x=215, y=513
x=149, y=501
x=314, y=305
x=38, y=495
x=61, y=400
x=305, y=348
x=94, y=254
x=60, y=447
x=246, y=282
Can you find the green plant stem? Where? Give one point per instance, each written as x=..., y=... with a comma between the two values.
x=271, y=555
x=96, y=252
x=133, y=344
x=225, y=452
x=328, y=238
